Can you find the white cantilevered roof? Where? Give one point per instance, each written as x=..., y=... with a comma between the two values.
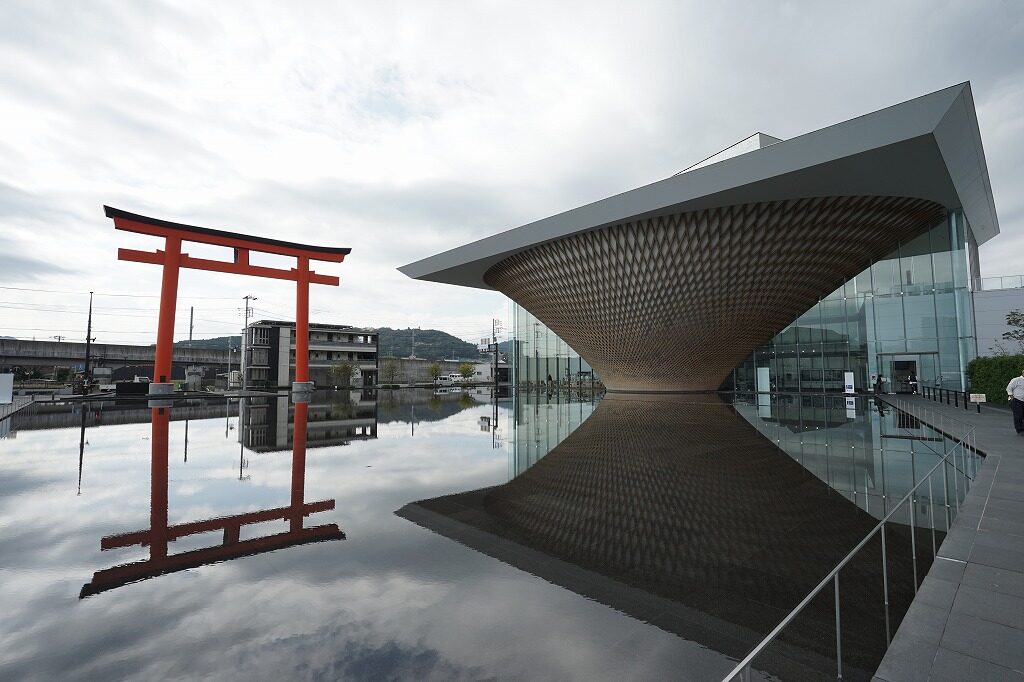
x=928, y=147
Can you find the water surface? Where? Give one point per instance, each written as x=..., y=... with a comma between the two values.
x=654, y=542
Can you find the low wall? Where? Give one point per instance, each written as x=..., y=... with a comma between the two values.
x=417, y=371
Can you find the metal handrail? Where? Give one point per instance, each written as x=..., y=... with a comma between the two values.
x=1005, y=282
x=940, y=394
x=742, y=669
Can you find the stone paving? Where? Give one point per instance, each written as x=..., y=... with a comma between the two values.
x=967, y=621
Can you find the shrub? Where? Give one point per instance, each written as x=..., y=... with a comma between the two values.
x=990, y=375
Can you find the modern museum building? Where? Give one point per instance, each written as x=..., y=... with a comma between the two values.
x=775, y=265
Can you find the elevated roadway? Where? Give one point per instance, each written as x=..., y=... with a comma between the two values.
x=19, y=353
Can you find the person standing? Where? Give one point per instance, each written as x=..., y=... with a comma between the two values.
x=1015, y=390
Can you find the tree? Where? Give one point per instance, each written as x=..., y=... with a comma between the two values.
x=466, y=370
x=342, y=409
x=434, y=370
x=389, y=371
x=1015, y=319
x=343, y=372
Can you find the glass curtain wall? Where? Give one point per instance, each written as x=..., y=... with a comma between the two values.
x=540, y=357
x=906, y=318
x=539, y=423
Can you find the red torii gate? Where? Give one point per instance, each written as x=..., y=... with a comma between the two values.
x=160, y=533
x=172, y=258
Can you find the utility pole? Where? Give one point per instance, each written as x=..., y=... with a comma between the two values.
x=88, y=350
x=191, y=312
x=81, y=447
x=412, y=353
x=495, y=328
x=243, y=365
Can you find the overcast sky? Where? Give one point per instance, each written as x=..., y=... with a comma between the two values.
x=404, y=129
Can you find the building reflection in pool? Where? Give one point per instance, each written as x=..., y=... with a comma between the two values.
x=160, y=534
x=677, y=510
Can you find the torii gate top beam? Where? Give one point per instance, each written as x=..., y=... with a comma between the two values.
x=133, y=222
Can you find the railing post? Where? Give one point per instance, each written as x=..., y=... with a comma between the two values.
x=974, y=449
x=913, y=539
x=956, y=486
x=885, y=588
x=945, y=494
x=839, y=639
x=931, y=512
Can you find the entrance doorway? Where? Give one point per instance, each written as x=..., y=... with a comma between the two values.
x=904, y=376
x=905, y=373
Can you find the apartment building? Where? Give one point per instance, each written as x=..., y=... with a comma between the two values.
x=269, y=354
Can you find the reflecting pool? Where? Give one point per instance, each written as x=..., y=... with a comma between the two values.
x=444, y=535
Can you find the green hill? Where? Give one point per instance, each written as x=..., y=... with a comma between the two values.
x=431, y=344
x=218, y=343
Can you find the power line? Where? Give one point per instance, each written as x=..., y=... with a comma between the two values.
x=106, y=307
x=86, y=293
x=101, y=331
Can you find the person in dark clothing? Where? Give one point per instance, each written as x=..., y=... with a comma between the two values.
x=1015, y=392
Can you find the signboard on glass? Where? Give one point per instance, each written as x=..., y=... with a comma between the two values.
x=6, y=389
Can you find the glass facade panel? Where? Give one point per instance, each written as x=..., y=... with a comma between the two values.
x=541, y=358
x=906, y=314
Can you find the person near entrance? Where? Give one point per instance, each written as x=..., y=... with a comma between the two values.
x=1015, y=390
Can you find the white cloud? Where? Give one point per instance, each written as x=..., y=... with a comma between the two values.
x=402, y=130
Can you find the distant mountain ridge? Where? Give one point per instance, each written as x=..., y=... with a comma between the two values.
x=216, y=343
x=431, y=344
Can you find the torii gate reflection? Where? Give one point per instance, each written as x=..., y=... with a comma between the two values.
x=159, y=533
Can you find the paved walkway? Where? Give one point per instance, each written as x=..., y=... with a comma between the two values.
x=967, y=621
